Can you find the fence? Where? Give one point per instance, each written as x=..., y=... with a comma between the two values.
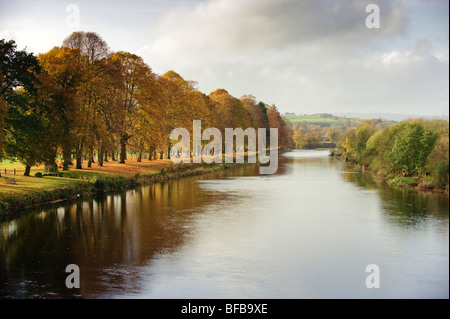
x=14, y=171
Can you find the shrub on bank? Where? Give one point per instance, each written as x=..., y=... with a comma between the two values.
x=417, y=149
x=110, y=183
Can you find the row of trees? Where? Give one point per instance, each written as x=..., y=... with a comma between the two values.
x=80, y=99
x=415, y=147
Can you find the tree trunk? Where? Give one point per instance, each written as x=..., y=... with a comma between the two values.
x=27, y=170
x=161, y=154
x=100, y=157
x=79, y=154
x=90, y=157
x=151, y=153
x=140, y=151
x=113, y=156
x=123, y=148
x=106, y=157
x=66, y=159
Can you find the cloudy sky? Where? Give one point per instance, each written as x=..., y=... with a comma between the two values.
x=304, y=56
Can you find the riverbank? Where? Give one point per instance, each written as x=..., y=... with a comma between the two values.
x=31, y=191
x=414, y=183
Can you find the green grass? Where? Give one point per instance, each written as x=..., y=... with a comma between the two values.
x=7, y=163
x=317, y=118
x=400, y=181
x=27, y=184
x=407, y=180
x=10, y=166
x=83, y=175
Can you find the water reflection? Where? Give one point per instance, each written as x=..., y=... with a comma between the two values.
x=107, y=237
x=403, y=206
x=306, y=232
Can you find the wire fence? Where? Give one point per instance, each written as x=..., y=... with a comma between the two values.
x=16, y=171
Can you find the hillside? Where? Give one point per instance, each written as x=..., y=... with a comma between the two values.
x=328, y=120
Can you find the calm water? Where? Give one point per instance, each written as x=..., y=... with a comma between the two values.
x=307, y=232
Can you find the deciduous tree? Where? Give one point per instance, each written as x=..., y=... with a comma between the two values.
x=133, y=73
x=62, y=75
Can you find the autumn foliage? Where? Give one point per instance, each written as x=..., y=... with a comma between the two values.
x=89, y=104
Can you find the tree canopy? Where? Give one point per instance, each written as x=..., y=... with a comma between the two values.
x=80, y=102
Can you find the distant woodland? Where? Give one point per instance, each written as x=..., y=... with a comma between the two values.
x=413, y=152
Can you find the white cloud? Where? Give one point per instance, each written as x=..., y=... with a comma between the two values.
x=304, y=56
x=8, y=35
x=254, y=25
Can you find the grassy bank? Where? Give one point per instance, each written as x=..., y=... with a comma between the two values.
x=31, y=191
x=413, y=154
x=420, y=183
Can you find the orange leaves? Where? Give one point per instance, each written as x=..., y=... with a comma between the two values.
x=64, y=66
x=276, y=121
x=109, y=100
x=230, y=111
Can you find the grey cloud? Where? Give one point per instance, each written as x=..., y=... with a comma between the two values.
x=305, y=56
x=240, y=26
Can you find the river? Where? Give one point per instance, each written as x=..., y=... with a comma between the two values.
x=308, y=231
